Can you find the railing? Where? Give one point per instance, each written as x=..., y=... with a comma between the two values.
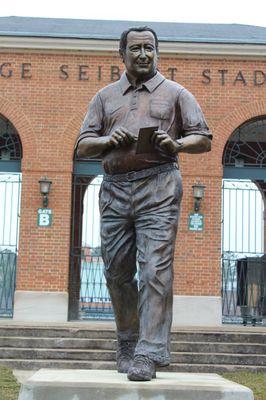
x=244, y=288
x=10, y=185
x=95, y=300
x=8, y=264
x=90, y=298
x=243, y=259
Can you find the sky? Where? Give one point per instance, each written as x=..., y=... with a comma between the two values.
x=200, y=11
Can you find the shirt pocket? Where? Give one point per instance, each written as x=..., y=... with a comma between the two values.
x=160, y=109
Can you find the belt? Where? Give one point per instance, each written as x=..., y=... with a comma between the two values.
x=143, y=173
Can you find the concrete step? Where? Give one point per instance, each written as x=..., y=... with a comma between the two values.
x=27, y=347
x=57, y=332
x=26, y=364
x=106, y=355
x=218, y=347
x=58, y=343
x=184, y=336
x=110, y=344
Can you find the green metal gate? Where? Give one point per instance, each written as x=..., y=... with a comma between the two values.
x=10, y=188
x=10, y=185
x=243, y=225
x=243, y=259
x=89, y=297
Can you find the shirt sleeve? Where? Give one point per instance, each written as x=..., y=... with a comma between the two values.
x=192, y=118
x=93, y=122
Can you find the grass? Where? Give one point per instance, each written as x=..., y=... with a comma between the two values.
x=9, y=388
x=256, y=381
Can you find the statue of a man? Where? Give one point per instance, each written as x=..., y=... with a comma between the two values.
x=140, y=195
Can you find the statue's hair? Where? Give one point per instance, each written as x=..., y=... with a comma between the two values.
x=123, y=38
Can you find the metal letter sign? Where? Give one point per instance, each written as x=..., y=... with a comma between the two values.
x=196, y=222
x=44, y=217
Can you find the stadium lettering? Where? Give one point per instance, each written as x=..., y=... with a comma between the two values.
x=111, y=73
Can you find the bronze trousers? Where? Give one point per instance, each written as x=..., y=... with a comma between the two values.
x=139, y=217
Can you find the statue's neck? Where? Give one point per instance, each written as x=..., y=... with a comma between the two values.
x=137, y=81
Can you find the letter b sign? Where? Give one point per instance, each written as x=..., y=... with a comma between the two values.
x=44, y=217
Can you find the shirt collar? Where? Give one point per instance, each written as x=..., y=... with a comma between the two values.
x=150, y=85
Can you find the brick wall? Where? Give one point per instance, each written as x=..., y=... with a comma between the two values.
x=46, y=104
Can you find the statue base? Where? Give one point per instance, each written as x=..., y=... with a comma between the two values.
x=56, y=384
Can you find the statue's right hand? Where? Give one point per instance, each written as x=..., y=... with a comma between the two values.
x=121, y=137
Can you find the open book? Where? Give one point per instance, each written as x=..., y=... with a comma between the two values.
x=144, y=144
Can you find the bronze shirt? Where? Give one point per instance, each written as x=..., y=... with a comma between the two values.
x=156, y=102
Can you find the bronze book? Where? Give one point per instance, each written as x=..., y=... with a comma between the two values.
x=144, y=144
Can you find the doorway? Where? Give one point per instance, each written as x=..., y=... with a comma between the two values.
x=89, y=297
x=10, y=190
x=243, y=225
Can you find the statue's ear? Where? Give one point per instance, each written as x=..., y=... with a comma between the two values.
x=122, y=55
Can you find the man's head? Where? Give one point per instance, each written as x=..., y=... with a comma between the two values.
x=139, y=51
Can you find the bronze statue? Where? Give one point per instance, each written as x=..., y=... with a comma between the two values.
x=138, y=125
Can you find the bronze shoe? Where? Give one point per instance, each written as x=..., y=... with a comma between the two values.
x=124, y=355
x=142, y=369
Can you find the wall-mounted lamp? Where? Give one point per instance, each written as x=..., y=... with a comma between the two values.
x=45, y=186
x=198, y=194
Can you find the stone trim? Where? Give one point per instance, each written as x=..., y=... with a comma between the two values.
x=176, y=49
x=33, y=306
x=197, y=311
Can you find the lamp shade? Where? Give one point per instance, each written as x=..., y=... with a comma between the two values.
x=45, y=185
x=198, y=191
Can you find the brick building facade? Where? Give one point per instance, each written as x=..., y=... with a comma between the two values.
x=46, y=84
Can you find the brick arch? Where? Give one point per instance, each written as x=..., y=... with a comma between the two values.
x=236, y=118
x=71, y=133
x=24, y=129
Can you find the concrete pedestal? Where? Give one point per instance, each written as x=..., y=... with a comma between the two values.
x=51, y=384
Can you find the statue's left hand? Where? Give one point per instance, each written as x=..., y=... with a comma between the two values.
x=162, y=140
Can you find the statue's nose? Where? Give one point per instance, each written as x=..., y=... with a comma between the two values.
x=143, y=54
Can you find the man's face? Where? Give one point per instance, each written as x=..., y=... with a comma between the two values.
x=140, y=55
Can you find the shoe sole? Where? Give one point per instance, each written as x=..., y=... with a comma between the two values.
x=144, y=378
